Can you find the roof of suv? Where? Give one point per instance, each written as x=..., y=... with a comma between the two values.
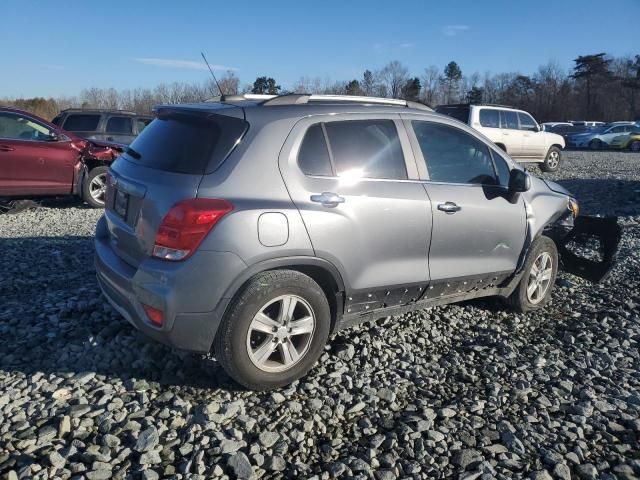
x=284, y=106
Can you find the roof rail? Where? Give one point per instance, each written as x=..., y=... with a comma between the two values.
x=476, y=104
x=81, y=109
x=297, y=99
x=305, y=98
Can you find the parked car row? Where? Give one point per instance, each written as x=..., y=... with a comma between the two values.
x=365, y=208
x=39, y=159
x=597, y=135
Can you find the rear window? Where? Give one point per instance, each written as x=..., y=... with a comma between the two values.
x=182, y=143
x=82, y=122
x=119, y=125
x=459, y=112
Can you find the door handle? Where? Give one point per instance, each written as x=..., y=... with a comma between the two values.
x=6, y=148
x=327, y=199
x=449, y=207
x=110, y=139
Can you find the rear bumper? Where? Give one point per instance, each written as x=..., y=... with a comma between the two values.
x=192, y=301
x=576, y=249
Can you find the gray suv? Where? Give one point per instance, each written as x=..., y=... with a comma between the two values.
x=256, y=226
x=115, y=126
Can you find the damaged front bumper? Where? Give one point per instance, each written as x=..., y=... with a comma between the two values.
x=589, y=249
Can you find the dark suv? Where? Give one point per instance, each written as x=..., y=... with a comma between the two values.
x=117, y=126
x=258, y=225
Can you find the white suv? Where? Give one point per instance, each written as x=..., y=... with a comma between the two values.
x=515, y=131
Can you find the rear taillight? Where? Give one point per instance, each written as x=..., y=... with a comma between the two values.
x=186, y=225
x=155, y=315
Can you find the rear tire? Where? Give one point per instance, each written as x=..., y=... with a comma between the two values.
x=540, y=271
x=255, y=343
x=635, y=146
x=552, y=160
x=94, y=187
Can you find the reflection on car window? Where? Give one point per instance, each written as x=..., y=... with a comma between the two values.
x=313, y=157
x=18, y=127
x=454, y=156
x=366, y=149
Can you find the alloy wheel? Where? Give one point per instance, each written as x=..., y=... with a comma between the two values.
x=553, y=159
x=539, y=278
x=98, y=187
x=280, y=333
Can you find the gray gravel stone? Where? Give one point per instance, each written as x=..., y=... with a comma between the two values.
x=84, y=392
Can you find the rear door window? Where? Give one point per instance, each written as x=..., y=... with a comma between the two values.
x=509, y=119
x=366, y=149
x=82, y=122
x=490, y=117
x=122, y=125
x=313, y=157
x=186, y=143
x=454, y=156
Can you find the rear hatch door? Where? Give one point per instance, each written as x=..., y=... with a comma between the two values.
x=164, y=165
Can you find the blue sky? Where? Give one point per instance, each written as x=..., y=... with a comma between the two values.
x=59, y=48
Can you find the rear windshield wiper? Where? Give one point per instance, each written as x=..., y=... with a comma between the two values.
x=130, y=151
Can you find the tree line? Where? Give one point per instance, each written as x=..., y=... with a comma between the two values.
x=598, y=87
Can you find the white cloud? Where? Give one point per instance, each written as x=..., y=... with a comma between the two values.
x=406, y=45
x=185, y=64
x=453, y=30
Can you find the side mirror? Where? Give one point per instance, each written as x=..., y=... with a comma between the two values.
x=53, y=137
x=519, y=181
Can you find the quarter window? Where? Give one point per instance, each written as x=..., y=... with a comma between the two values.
x=313, y=157
x=509, y=119
x=454, y=156
x=490, y=118
x=119, y=125
x=366, y=149
x=526, y=122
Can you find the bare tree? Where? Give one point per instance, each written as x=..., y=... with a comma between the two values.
x=393, y=76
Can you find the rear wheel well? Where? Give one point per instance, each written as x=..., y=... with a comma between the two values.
x=329, y=286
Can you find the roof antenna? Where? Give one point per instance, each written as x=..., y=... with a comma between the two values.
x=214, y=77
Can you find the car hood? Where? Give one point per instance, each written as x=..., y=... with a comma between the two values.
x=556, y=187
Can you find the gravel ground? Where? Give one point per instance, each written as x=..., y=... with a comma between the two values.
x=466, y=391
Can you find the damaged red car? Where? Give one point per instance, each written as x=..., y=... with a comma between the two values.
x=38, y=159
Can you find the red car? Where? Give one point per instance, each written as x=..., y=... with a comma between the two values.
x=38, y=159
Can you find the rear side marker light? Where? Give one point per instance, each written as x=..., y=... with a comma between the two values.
x=156, y=316
x=186, y=225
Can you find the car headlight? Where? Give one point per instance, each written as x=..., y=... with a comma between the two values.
x=572, y=205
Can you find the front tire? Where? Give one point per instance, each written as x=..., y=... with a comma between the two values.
x=540, y=271
x=552, y=160
x=595, y=144
x=274, y=331
x=635, y=146
x=94, y=187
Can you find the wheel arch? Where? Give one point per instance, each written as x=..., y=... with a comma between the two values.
x=323, y=272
